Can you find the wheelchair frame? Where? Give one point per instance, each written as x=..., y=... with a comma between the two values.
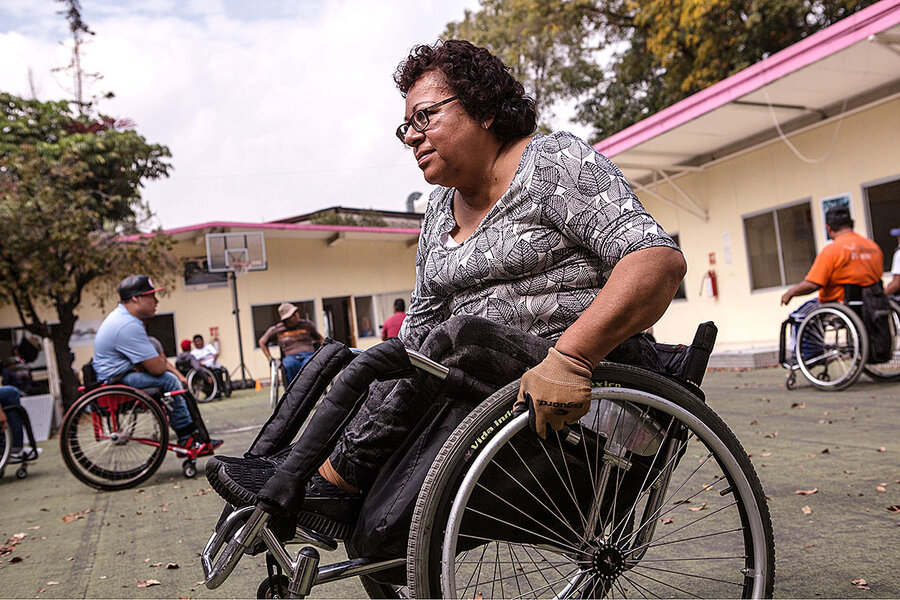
x=221, y=383
x=837, y=342
x=607, y=558
x=109, y=421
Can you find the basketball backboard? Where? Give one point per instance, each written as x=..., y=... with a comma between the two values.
x=246, y=247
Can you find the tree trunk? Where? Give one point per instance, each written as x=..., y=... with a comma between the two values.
x=60, y=335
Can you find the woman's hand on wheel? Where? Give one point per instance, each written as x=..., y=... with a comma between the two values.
x=559, y=388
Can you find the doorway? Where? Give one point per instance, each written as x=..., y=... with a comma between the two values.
x=337, y=319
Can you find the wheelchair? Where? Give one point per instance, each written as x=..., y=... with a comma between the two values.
x=276, y=380
x=115, y=436
x=6, y=444
x=649, y=494
x=206, y=383
x=832, y=345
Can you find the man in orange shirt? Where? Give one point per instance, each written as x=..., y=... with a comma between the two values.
x=851, y=258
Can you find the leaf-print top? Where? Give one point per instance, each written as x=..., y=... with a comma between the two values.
x=543, y=251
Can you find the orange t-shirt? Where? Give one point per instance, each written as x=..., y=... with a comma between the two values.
x=850, y=258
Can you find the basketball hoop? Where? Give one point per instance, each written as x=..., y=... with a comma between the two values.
x=239, y=267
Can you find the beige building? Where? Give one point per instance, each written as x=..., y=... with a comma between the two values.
x=743, y=171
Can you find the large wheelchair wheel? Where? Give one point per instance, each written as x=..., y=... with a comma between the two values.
x=203, y=384
x=114, y=437
x=650, y=495
x=832, y=347
x=889, y=370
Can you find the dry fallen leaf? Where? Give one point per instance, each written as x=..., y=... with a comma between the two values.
x=754, y=422
x=806, y=510
x=667, y=521
x=798, y=405
x=765, y=454
x=880, y=488
x=807, y=492
x=172, y=566
x=894, y=508
x=861, y=583
x=774, y=434
x=148, y=583
x=882, y=449
x=696, y=508
x=52, y=583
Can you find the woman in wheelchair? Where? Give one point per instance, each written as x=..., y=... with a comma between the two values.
x=536, y=242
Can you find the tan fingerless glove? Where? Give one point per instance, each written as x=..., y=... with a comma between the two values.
x=560, y=389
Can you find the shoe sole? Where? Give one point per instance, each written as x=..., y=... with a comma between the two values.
x=324, y=526
x=226, y=487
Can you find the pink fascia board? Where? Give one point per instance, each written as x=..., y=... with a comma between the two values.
x=846, y=32
x=276, y=226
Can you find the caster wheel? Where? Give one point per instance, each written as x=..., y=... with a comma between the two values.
x=21, y=473
x=791, y=383
x=189, y=468
x=266, y=588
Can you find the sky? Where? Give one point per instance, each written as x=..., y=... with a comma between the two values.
x=271, y=109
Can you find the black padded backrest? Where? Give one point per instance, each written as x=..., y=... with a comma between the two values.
x=688, y=363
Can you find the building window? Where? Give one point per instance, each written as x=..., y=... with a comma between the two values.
x=198, y=277
x=266, y=315
x=780, y=245
x=883, y=202
x=680, y=294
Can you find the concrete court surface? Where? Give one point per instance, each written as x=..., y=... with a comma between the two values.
x=82, y=543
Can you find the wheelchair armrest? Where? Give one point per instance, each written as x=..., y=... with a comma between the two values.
x=699, y=351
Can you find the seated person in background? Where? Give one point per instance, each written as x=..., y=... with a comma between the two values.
x=207, y=354
x=391, y=327
x=124, y=352
x=850, y=259
x=9, y=399
x=185, y=361
x=297, y=338
x=16, y=373
x=893, y=286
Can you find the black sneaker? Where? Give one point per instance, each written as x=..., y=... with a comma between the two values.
x=239, y=480
x=329, y=510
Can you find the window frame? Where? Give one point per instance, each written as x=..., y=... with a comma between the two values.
x=773, y=210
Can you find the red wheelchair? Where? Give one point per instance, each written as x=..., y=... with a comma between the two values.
x=115, y=436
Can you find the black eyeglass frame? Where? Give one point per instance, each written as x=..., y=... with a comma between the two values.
x=403, y=128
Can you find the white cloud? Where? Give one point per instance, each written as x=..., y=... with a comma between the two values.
x=269, y=111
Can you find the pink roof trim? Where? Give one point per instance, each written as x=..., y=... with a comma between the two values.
x=276, y=226
x=844, y=33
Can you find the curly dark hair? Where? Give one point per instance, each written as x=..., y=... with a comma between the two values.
x=483, y=83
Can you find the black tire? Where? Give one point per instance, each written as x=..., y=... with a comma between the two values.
x=890, y=369
x=227, y=387
x=265, y=588
x=202, y=384
x=21, y=473
x=189, y=468
x=832, y=347
x=495, y=514
x=114, y=438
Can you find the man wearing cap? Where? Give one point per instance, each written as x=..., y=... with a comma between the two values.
x=850, y=258
x=893, y=286
x=296, y=337
x=124, y=352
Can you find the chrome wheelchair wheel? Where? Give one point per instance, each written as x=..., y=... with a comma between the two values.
x=832, y=347
x=202, y=384
x=227, y=387
x=274, y=383
x=649, y=495
x=890, y=369
x=114, y=438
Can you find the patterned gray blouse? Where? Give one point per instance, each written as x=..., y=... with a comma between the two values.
x=542, y=253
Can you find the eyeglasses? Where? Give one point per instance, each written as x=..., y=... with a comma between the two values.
x=419, y=119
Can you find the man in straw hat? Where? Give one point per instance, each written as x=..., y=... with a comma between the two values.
x=296, y=337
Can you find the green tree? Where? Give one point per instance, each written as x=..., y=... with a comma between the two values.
x=545, y=43
x=71, y=214
x=674, y=48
